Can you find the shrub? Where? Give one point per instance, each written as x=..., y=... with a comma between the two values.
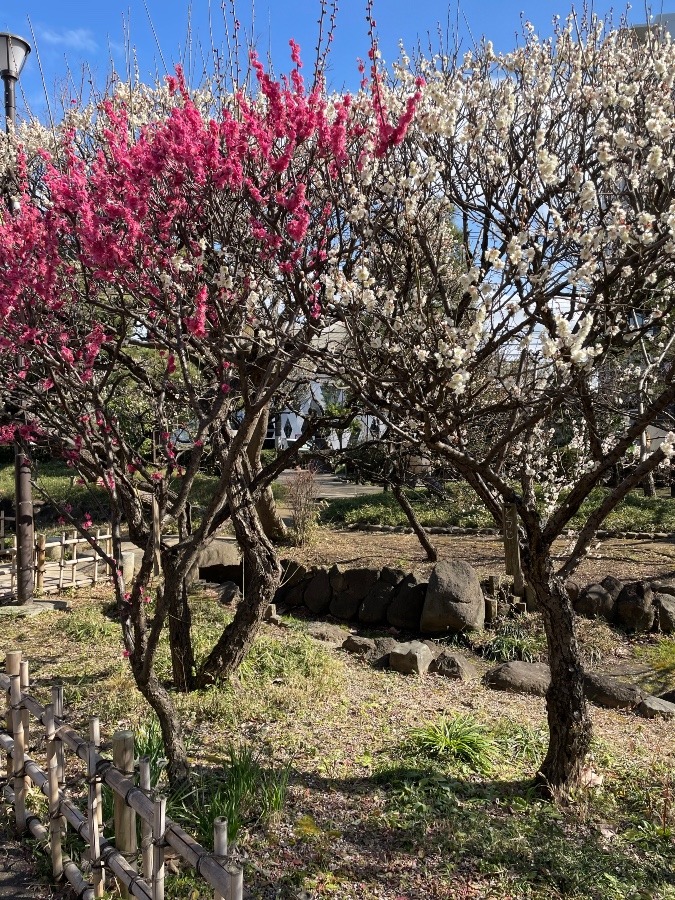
x=460, y=738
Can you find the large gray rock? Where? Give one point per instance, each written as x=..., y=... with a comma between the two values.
x=665, y=604
x=349, y=587
x=635, y=607
x=292, y=588
x=604, y=690
x=405, y=609
x=373, y=608
x=655, y=708
x=453, y=665
x=392, y=576
x=360, y=646
x=454, y=600
x=669, y=696
x=317, y=593
x=383, y=647
x=413, y=658
x=520, y=678
x=327, y=632
x=599, y=600
x=664, y=586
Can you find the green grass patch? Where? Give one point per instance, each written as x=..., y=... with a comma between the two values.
x=460, y=738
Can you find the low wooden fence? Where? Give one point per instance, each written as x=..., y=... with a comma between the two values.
x=62, y=561
x=119, y=859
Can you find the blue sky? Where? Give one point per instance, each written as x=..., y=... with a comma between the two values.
x=70, y=34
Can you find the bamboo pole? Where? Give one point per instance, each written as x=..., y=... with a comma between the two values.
x=97, y=538
x=146, y=827
x=236, y=883
x=57, y=703
x=41, y=562
x=125, y=817
x=95, y=740
x=94, y=814
x=25, y=714
x=53, y=794
x=19, y=782
x=12, y=667
x=62, y=559
x=220, y=846
x=158, y=841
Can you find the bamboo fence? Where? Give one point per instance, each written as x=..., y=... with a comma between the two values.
x=118, y=860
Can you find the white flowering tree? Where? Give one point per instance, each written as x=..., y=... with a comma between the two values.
x=556, y=163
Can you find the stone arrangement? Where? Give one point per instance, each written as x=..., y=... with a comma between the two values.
x=453, y=602
x=636, y=606
x=450, y=602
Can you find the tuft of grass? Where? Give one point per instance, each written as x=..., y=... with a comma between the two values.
x=244, y=793
x=514, y=639
x=148, y=742
x=460, y=738
x=521, y=741
x=87, y=625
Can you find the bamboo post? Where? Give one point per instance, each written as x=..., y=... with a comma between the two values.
x=12, y=667
x=52, y=775
x=97, y=538
x=19, y=753
x=57, y=702
x=95, y=741
x=73, y=570
x=125, y=817
x=156, y=538
x=236, y=886
x=62, y=560
x=220, y=846
x=41, y=562
x=512, y=548
x=146, y=827
x=25, y=715
x=158, y=829
x=93, y=815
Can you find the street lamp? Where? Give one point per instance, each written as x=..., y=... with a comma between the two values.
x=13, y=54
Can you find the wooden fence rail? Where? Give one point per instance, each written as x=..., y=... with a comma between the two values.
x=218, y=869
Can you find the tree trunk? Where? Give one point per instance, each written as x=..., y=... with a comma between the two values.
x=648, y=486
x=263, y=575
x=178, y=768
x=266, y=507
x=403, y=502
x=180, y=638
x=568, y=721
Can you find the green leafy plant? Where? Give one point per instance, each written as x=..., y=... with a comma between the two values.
x=148, y=742
x=514, y=639
x=460, y=738
x=244, y=793
x=521, y=741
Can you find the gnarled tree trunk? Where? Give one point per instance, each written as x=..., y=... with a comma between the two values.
x=272, y=523
x=568, y=720
x=263, y=574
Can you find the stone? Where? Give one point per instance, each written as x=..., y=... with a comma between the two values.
x=392, y=576
x=664, y=586
x=612, y=585
x=453, y=665
x=327, y=632
x=635, y=607
x=373, y=608
x=405, y=609
x=228, y=592
x=128, y=567
x=454, y=600
x=412, y=658
x=603, y=690
x=292, y=587
x=669, y=696
x=349, y=587
x=519, y=677
x=595, y=601
x=361, y=646
x=573, y=589
x=293, y=597
x=317, y=593
x=665, y=604
x=655, y=708
x=220, y=561
x=383, y=647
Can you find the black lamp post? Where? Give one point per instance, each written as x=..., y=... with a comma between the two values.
x=13, y=53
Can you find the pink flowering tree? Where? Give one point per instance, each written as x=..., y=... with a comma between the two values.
x=172, y=260
x=506, y=353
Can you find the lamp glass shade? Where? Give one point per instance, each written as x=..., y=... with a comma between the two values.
x=13, y=53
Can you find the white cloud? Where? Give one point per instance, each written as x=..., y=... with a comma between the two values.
x=73, y=38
